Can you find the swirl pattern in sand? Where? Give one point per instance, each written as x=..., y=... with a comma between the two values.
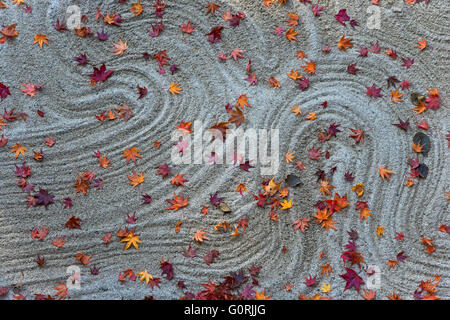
x=70, y=104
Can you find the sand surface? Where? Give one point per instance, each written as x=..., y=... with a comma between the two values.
x=70, y=105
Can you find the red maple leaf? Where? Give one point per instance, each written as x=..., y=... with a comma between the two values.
x=101, y=74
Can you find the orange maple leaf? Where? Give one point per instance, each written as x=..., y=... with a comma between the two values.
x=324, y=218
x=59, y=242
x=242, y=101
x=19, y=149
x=199, y=236
x=311, y=116
x=241, y=188
x=131, y=154
x=310, y=67
x=289, y=157
x=178, y=180
x=417, y=147
x=61, y=291
x=211, y=8
x=325, y=187
x=290, y=34
x=384, y=172
x=10, y=31
x=364, y=213
x=2, y=124
x=396, y=96
x=40, y=39
x=83, y=258
x=261, y=296
x=177, y=202
x=104, y=162
x=136, y=8
x=345, y=43
x=369, y=295
x=421, y=44
x=326, y=269
x=136, y=179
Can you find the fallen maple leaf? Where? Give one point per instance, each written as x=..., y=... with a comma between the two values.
x=199, y=236
x=310, y=67
x=187, y=28
x=301, y=224
x=136, y=8
x=422, y=44
x=396, y=96
x=345, y=43
x=178, y=180
x=19, y=149
x=136, y=179
x=132, y=240
x=119, y=48
x=177, y=202
x=131, y=154
x=61, y=291
x=175, y=89
x=384, y=172
x=40, y=39
x=290, y=34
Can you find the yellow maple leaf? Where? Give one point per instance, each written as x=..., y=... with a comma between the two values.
x=131, y=239
x=286, y=204
x=380, y=230
x=18, y=2
x=359, y=189
x=325, y=287
x=271, y=188
x=174, y=88
x=18, y=149
x=144, y=276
